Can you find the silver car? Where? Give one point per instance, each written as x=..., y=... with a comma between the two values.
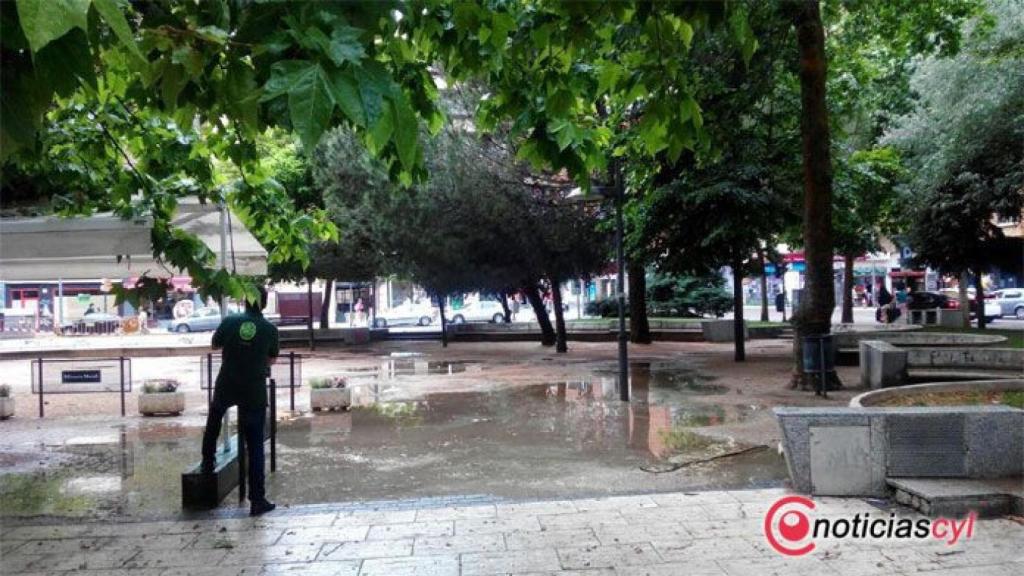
x=1011, y=302
x=201, y=320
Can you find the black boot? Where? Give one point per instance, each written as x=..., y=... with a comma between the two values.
x=261, y=507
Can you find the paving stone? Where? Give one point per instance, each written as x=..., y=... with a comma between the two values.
x=44, y=532
x=374, y=517
x=662, y=514
x=66, y=546
x=342, y=568
x=574, y=538
x=614, y=503
x=237, y=539
x=630, y=533
x=206, y=571
x=343, y=533
x=638, y=554
x=50, y=563
x=366, y=549
x=776, y=565
x=304, y=552
x=593, y=572
x=706, y=549
x=510, y=525
x=532, y=508
x=175, y=559
x=479, y=564
x=457, y=513
x=410, y=530
x=412, y=566
x=458, y=544
x=582, y=519
x=688, y=569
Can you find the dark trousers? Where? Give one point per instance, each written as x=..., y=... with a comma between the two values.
x=253, y=421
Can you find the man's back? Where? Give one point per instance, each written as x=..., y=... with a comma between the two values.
x=248, y=342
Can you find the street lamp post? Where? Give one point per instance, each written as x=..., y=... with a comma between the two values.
x=620, y=286
x=617, y=192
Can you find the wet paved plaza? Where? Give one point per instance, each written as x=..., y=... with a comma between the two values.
x=705, y=533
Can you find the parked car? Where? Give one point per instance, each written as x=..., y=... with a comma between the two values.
x=407, y=314
x=93, y=323
x=928, y=300
x=1011, y=302
x=479, y=311
x=200, y=320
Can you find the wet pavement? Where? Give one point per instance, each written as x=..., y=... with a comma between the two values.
x=407, y=436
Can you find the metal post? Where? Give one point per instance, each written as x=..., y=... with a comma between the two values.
x=209, y=380
x=824, y=374
x=40, y=387
x=121, y=361
x=273, y=425
x=291, y=380
x=223, y=252
x=60, y=304
x=241, y=457
x=620, y=282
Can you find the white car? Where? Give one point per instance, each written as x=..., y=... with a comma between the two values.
x=407, y=314
x=479, y=311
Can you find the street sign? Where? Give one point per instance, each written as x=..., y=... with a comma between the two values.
x=769, y=268
x=799, y=266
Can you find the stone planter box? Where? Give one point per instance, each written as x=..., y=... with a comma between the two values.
x=330, y=398
x=161, y=403
x=6, y=408
x=722, y=330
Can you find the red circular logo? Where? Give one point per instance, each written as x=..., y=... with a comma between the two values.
x=794, y=526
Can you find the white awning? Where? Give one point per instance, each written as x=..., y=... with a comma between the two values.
x=105, y=246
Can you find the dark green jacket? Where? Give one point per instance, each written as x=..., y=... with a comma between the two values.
x=248, y=342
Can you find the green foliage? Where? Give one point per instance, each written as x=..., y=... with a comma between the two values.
x=866, y=190
x=964, y=145
x=671, y=295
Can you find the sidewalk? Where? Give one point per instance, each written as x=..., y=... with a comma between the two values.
x=706, y=533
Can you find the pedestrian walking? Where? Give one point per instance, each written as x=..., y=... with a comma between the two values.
x=250, y=346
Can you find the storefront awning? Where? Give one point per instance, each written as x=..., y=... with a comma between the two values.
x=105, y=246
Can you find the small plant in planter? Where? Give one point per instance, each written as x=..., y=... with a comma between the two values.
x=6, y=402
x=329, y=394
x=161, y=397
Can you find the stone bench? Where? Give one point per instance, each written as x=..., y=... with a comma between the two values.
x=852, y=451
x=205, y=491
x=882, y=364
x=988, y=358
x=721, y=330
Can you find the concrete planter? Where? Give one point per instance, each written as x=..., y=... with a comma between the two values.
x=6, y=407
x=161, y=403
x=722, y=330
x=330, y=398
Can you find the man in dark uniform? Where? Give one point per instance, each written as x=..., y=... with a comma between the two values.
x=250, y=346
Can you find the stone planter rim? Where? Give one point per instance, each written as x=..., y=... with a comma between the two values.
x=994, y=385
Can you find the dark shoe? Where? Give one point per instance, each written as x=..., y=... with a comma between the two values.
x=261, y=507
x=207, y=467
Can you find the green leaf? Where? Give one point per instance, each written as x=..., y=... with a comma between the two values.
x=66, y=63
x=501, y=25
x=310, y=105
x=213, y=34
x=345, y=46
x=346, y=95
x=406, y=132
x=172, y=83
x=282, y=75
x=686, y=31
x=111, y=12
x=374, y=84
x=380, y=133
x=241, y=94
x=43, y=21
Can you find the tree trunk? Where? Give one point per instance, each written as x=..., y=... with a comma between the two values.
x=444, y=322
x=504, y=307
x=848, y=289
x=639, y=327
x=547, y=332
x=325, y=306
x=738, y=333
x=979, y=298
x=965, y=303
x=764, y=286
x=815, y=313
x=561, y=343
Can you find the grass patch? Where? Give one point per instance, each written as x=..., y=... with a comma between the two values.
x=1014, y=338
x=1012, y=398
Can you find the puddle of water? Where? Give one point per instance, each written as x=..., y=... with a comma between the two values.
x=544, y=440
